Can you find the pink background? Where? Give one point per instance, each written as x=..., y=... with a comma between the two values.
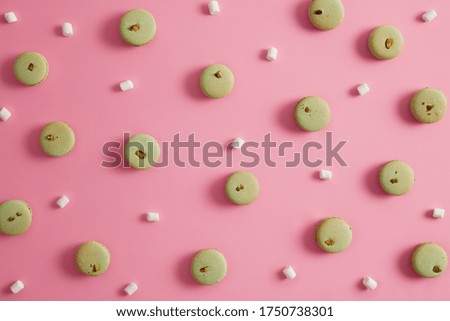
x=258, y=240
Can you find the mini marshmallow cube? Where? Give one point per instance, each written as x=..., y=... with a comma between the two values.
x=131, y=288
x=67, y=29
x=152, y=217
x=17, y=287
x=272, y=54
x=429, y=15
x=237, y=143
x=63, y=201
x=126, y=85
x=363, y=89
x=5, y=114
x=438, y=213
x=325, y=174
x=10, y=17
x=370, y=283
x=214, y=7
x=289, y=272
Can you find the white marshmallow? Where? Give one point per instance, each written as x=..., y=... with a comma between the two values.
x=10, y=17
x=5, y=114
x=17, y=287
x=214, y=7
x=370, y=283
x=289, y=272
x=152, y=217
x=63, y=201
x=237, y=143
x=438, y=213
x=67, y=29
x=131, y=288
x=126, y=85
x=272, y=54
x=325, y=174
x=363, y=89
x=429, y=15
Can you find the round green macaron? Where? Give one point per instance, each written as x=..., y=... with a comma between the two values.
x=30, y=68
x=242, y=188
x=217, y=81
x=15, y=217
x=326, y=14
x=333, y=235
x=396, y=177
x=137, y=27
x=93, y=258
x=57, y=139
x=312, y=113
x=209, y=267
x=142, y=151
x=428, y=105
x=429, y=260
x=385, y=42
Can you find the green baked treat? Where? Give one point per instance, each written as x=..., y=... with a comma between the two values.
x=217, y=81
x=57, y=139
x=30, y=68
x=93, y=258
x=396, y=177
x=209, y=267
x=429, y=260
x=385, y=42
x=142, y=151
x=15, y=217
x=333, y=235
x=137, y=27
x=326, y=14
x=428, y=105
x=312, y=113
x=242, y=188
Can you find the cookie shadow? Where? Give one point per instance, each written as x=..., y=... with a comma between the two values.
x=263, y=55
x=57, y=30
x=286, y=117
x=6, y=290
x=302, y=17
x=116, y=88
x=372, y=181
x=419, y=17
x=67, y=262
x=7, y=72
x=32, y=143
x=308, y=238
x=111, y=32
x=353, y=91
x=183, y=270
x=404, y=109
x=218, y=194
x=405, y=265
x=192, y=84
x=360, y=286
x=362, y=46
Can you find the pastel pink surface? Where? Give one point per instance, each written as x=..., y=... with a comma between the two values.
x=109, y=205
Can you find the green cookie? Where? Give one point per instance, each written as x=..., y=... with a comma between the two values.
x=209, y=267
x=396, y=177
x=242, y=188
x=312, y=113
x=428, y=105
x=429, y=260
x=93, y=258
x=142, y=151
x=137, y=27
x=15, y=217
x=57, y=139
x=30, y=68
x=333, y=235
x=326, y=14
x=385, y=42
x=217, y=81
